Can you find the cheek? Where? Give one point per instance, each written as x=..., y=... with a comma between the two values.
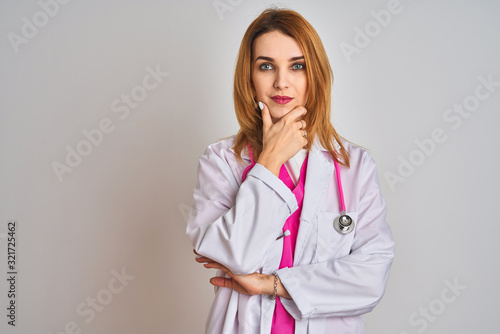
x=259, y=85
x=303, y=89
x=256, y=83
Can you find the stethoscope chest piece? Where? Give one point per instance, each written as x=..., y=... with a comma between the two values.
x=344, y=224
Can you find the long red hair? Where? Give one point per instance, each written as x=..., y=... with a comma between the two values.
x=319, y=77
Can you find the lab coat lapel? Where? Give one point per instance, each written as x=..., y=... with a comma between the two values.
x=319, y=173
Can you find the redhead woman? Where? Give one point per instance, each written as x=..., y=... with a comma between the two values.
x=288, y=212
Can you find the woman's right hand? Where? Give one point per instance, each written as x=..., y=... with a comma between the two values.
x=283, y=139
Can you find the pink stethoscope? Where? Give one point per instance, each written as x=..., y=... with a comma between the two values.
x=343, y=224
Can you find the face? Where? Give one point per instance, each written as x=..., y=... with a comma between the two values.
x=279, y=73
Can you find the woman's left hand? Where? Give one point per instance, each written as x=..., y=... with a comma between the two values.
x=251, y=284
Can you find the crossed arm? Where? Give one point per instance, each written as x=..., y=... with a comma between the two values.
x=251, y=284
x=346, y=286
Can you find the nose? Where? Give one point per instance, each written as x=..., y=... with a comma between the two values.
x=281, y=80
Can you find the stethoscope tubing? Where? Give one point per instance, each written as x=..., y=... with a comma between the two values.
x=343, y=224
x=339, y=184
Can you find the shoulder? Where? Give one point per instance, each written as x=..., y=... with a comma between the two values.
x=219, y=158
x=357, y=153
x=222, y=149
x=360, y=159
x=363, y=165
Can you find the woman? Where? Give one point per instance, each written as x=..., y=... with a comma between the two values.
x=268, y=198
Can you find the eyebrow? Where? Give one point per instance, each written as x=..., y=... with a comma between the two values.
x=271, y=59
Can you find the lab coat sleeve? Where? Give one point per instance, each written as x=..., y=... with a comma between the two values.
x=236, y=224
x=355, y=283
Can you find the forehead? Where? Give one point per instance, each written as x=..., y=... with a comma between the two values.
x=276, y=45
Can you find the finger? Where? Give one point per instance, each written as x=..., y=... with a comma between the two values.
x=295, y=114
x=203, y=259
x=267, y=122
x=301, y=125
x=215, y=265
x=222, y=282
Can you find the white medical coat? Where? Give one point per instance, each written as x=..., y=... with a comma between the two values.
x=334, y=279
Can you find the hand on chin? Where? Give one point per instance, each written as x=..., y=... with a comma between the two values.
x=278, y=112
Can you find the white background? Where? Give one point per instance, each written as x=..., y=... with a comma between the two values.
x=124, y=206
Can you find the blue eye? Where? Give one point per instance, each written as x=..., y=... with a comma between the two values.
x=267, y=67
x=298, y=66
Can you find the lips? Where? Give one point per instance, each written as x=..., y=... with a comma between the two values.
x=282, y=99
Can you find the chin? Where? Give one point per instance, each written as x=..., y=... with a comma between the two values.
x=283, y=109
x=279, y=115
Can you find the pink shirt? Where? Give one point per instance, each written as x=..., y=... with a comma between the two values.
x=283, y=322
